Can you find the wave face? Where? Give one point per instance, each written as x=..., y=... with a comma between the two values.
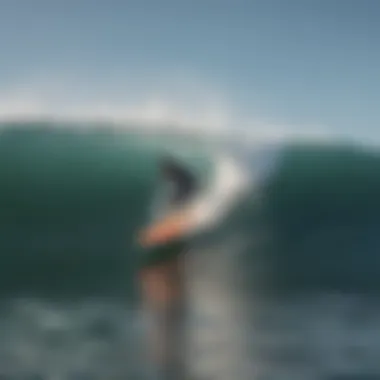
x=71, y=203
x=303, y=238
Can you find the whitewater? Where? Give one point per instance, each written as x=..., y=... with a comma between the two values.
x=284, y=284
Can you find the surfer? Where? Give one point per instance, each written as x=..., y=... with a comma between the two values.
x=161, y=275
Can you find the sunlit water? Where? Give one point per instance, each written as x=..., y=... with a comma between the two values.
x=231, y=333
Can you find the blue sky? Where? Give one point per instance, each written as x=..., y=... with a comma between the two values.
x=301, y=64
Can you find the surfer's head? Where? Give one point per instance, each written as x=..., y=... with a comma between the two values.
x=179, y=175
x=167, y=167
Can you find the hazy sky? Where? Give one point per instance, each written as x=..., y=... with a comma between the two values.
x=298, y=64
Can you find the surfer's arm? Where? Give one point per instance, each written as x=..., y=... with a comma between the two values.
x=166, y=229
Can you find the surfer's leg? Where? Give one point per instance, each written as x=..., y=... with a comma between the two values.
x=163, y=295
x=174, y=320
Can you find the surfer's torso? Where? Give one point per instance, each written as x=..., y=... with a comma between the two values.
x=175, y=190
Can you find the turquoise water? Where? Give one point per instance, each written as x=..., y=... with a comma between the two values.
x=71, y=203
x=286, y=287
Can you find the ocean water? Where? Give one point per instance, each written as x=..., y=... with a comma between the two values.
x=286, y=287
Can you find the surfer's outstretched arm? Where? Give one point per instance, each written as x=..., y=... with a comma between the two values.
x=164, y=230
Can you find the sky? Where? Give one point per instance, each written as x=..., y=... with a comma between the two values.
x=273, y=66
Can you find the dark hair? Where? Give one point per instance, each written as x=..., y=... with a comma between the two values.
x=185, y=183
x=168, y=165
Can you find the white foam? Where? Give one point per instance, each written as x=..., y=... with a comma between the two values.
x=230, y=181
x=167, y=103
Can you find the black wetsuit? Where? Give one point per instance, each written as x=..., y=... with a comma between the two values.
x=184, y=187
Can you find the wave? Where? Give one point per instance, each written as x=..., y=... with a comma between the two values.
x=72, y=202
x=229, y=182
